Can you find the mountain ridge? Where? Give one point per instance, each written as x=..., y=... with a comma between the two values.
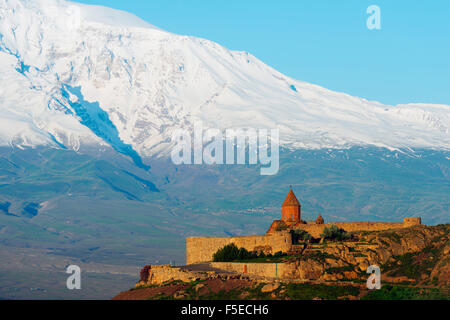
x=150, y=82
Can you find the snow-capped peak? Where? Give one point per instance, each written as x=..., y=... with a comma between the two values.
x=74, y=75
x=66, y=12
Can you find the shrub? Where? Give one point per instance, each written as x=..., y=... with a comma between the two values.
x=340, y=269
x=145, y=273
x=242, y=254
x=226, y=254
x=278, y=254
x=281, y=227
x=413, y=264
x=389, y=292
x=334, y=233
x=300, y=235
x=304, y=291
x=232, y=253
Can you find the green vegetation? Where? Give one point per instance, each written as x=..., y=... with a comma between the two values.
x=356, y=252
x=278, y=254
x=281, y=227
x=145, y=286
x=300, y=235
x=228, y=253
x=365, y=232
x=318, y=256
x=294, y=291
x=172, y=283
x=304, y=291
x=393, y=236
x=389, y=292
x=223, y=295
x=88, y=207
x=161, y=296
x=253, y=257
x=359, y=254
x=301, y=291
x=191, y=291
x=413, y=265
x=334, y=233
x=231, y=253
x=340, y=269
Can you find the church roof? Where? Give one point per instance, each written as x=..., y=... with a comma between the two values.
x=320, y=220
x=291, y=200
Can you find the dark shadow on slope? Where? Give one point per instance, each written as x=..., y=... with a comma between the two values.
x=31, y=210
x=150, y=185
x=4, y=207
x=127, y=194
x=57, y=142
x=97, y=120
x=130, y=185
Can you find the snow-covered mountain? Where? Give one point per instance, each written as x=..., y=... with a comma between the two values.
x=86, y=78
x=74, y=75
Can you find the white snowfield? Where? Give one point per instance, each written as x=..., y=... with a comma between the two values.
x=74, y=75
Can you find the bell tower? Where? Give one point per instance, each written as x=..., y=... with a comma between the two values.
x=291, y=209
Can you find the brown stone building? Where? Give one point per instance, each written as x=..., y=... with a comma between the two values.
x=291, y=209
x=278, y=237
x=291, y=214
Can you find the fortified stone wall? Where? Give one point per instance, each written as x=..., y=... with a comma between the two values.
x=266, y=270
x=158, y=274
x=316, y=230
x=201, y=249
x=409, y=222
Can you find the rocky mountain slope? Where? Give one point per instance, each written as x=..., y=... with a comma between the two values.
x=75, y=76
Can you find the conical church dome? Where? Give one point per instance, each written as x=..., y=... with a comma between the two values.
x=291, y=200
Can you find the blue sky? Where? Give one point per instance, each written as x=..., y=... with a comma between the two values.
x=325, y=42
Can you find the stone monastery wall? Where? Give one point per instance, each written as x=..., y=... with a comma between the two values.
x=201, y=249
x=315, y=230
x=266, y=270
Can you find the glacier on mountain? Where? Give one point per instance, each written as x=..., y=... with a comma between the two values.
x=134, y=84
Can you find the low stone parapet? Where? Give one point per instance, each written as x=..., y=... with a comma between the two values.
x=265, y=270
x=315, y=230
x=159, y=274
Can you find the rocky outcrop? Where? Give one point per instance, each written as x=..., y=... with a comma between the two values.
x=417, y=255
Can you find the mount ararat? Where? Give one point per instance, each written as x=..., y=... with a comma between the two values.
x=89, y=100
